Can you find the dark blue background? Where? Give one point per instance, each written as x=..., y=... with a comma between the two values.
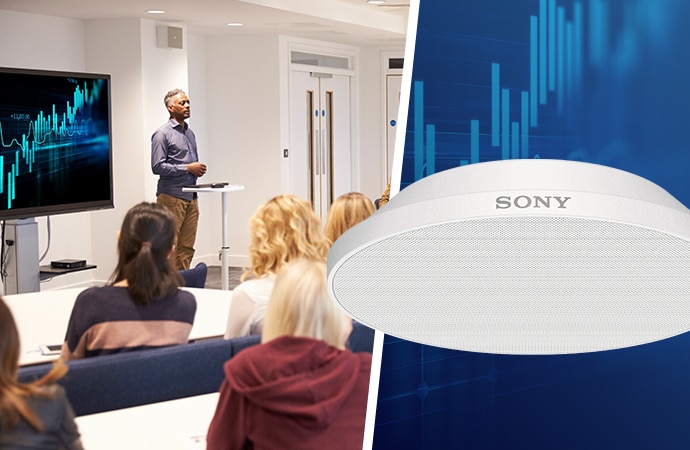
x=628, y=110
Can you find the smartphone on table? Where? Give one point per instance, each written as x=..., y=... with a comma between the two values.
x=53, y=349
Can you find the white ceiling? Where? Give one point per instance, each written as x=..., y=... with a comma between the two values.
x=344, y=21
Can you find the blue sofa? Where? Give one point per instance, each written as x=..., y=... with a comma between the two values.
x=124, y=380
x=137, y=378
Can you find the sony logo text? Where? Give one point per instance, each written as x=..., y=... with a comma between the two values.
x=531, y=201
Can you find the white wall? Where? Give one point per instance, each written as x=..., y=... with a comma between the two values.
x=243, y=99
x=113, y=47
x=234, y=88
x=243, y=128
x=41, y=42
x=372, y=111
x=208, y=240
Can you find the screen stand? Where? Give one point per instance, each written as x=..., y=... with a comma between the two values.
x=21, y=241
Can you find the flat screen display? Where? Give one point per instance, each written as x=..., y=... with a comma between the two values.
x=55, y=143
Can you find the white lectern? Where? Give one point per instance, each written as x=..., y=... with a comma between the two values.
x=223, y=189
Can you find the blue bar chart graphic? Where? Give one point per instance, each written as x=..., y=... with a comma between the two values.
x=544, y=79
x=603, y=81
x=554, y=61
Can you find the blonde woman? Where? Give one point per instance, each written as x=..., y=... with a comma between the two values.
x=283, y=229
x=300, y=387
x=347, y=211
x=32, y=415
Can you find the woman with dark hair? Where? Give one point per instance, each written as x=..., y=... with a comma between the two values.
x=142, y=306
x=32, y=415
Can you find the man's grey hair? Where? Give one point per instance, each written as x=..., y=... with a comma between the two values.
x=171, y=94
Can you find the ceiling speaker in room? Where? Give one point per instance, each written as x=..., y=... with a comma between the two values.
x=528, y=257
x=168, y=37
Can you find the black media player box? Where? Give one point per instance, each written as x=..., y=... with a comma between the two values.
x=68, y=263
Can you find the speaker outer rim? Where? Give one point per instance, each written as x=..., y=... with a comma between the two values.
x=537, y=175
x=390, y=222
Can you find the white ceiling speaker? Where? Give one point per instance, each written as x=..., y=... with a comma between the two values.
x=528, y=257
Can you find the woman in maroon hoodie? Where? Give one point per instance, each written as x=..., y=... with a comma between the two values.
x=299, y=389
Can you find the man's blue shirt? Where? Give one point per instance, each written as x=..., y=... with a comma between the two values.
x=173, y=146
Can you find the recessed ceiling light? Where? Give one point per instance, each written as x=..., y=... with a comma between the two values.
x=376, y=2
x=235, y=24
x=155, y=11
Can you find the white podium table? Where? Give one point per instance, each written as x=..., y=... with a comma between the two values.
x=225, y=249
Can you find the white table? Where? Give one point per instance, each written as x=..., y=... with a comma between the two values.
x=42, y=318
x=173, y=425
x=225, y=248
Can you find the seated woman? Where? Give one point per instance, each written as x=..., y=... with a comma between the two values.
x=142, y=306
x=283, y=229
x=347, y=211
x=300, y=385
x=32, y=415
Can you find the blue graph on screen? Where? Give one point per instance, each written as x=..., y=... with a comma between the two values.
x=603, y=81
x=49, y=136
x=591, y=80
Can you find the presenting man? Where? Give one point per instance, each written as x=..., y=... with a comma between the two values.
x=175, y=160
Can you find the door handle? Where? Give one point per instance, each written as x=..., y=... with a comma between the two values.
x=317, y=163
x=323, y=150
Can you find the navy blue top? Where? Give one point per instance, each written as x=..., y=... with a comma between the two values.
x=105, y=320
x=173, y=146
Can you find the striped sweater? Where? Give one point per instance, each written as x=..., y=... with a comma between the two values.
x=105, y=320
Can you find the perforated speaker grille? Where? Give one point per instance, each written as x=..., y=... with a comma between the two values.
x=522, y=285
